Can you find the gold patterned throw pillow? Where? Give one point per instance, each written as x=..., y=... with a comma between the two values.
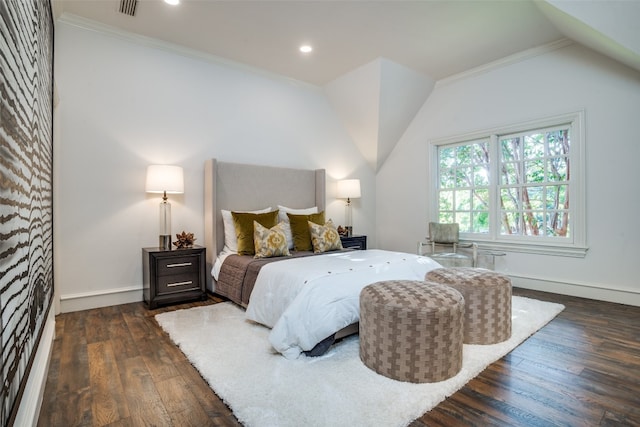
x=324, y=238
x=270, y=242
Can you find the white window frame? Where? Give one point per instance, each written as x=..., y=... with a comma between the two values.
x=573, y=246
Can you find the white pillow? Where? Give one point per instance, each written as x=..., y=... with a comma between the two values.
x=230, y=238
x=286, y=227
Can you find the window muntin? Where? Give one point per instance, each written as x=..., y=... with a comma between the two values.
x=510, y=188
x=463, y=192
x=534, y=186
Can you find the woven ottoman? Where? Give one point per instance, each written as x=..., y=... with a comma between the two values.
x=411, y=330
x=487, y=296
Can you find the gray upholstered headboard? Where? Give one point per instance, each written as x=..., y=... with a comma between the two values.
x=234, y=186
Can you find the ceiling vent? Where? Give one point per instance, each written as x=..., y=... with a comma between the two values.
x=128, y=7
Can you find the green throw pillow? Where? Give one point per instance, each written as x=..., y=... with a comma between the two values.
x=243, y=222
x=300, y=229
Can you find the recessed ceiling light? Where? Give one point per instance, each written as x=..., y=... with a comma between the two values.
x=305, y=48
x=172, y=2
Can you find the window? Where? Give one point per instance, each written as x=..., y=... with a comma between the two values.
x=517, y=188
x=463, y=193
x=534, y=183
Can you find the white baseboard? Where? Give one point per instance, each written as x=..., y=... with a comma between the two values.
x=96, y=299
x=583, y=290
x=31, y=401
x=88, y=300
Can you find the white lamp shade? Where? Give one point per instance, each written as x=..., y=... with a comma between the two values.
x=165, y=178
x=349, y=189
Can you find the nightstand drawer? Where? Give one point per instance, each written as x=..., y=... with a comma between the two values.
x=178, y=265
x=178, y=283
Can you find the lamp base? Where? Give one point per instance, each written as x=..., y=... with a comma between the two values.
x=164, y=242
x=349, y=230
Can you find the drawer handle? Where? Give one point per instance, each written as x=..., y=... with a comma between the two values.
x=181, y=264
x=170, y=285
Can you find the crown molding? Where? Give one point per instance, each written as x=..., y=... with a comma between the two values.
x=506, y=61
x=150, y=42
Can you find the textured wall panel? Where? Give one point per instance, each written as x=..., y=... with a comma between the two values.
x=26, y=225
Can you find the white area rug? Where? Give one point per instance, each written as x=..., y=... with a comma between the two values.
x=265, y=389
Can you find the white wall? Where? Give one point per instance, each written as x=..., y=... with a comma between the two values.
x=124, y=105
x=562, y=81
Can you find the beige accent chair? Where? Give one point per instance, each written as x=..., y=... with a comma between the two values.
x=448, y=236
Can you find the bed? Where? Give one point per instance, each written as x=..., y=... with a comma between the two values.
x=289, y=294
x=244, y=187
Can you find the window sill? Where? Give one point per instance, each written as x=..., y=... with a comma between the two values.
x=538, y=249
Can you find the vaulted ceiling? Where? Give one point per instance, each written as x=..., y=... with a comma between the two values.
x=412, y=44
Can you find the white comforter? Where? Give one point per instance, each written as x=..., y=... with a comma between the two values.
x=305, y=300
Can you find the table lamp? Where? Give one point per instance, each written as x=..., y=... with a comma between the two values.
x=349, y=189
x=165, y=179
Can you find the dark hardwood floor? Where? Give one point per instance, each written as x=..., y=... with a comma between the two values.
x=115, y=367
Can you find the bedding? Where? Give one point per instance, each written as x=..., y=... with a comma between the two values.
x=305, y=300
x=237, y=274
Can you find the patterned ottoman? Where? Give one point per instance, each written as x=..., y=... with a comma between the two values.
x=487, y=295
x=411, y=330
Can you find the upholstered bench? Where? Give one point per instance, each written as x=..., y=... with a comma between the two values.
x=411, y=330
x=487, y=296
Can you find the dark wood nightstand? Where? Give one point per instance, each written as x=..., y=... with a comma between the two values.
x=354, y=242
x=173, y=276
